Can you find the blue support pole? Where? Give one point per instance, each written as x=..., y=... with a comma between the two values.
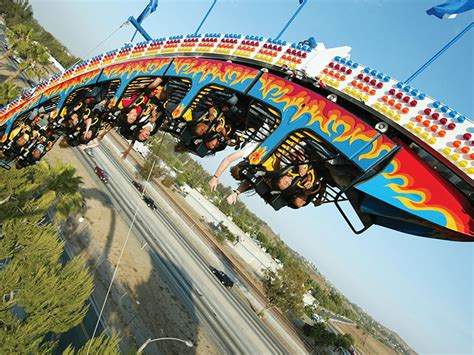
x=302, y=4
x=205, y=17
x=444, y=49
x=139, y=28
x=133, y=37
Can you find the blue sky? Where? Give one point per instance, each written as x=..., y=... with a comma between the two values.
x=420, y=288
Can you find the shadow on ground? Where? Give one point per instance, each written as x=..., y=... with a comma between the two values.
x=144, y=306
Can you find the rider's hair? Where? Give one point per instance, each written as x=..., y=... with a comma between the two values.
x=236, y=172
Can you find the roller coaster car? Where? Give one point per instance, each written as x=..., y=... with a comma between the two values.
x=394, y=172
x=258, y=179
x=199, y=149
x=178, y=129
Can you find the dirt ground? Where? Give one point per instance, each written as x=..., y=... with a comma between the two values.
x=141, y=304
x=368, y=345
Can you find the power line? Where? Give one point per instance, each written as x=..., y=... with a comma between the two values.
x=102, y=42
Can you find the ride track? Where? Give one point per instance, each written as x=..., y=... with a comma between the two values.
x=415, y=167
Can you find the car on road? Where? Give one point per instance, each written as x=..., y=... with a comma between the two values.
x=138, y=186
x=89, y=152
x=223, y=278
x=101, y=174
x=149, y=201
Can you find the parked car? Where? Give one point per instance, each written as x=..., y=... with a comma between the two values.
x=101, y=174
x=138, y=186
x=223, y=278
x=317, y=318
x=149, y=201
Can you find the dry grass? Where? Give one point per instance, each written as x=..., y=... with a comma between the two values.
x=364, y=342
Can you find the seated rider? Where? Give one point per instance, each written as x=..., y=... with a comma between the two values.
x=16, y=141
x=35, y=152
x=202, y=125
x=130, y=109
x=309, y=188
x=146, y=127
x=301, y=174
x=247, y=148
x=154, y=93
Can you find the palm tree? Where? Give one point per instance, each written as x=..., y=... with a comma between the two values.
x=61, y=179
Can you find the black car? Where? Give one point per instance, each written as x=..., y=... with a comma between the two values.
x=149, y=201
x=138, y=186
x=223, y=278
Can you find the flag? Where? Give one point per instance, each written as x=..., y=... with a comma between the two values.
x=451, y=8
x=150, y=8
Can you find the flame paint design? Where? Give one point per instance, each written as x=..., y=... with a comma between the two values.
x=26, y=105
x=127, y=69
x=72, y=83
x=256, y=156
x=337, y=125
x=212, y=70
x=378, y=147
x=178, y=111
x=418, y=198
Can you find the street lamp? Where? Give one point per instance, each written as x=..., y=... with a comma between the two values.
x=188, y=343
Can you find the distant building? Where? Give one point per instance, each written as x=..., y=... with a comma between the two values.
x=309, y=300
x=56, y=64
x=141, y=149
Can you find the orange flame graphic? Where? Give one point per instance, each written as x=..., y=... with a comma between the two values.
x=407, y=190
x=231, y=74
x=339, y=127
x=256, y=156
x=149, y=66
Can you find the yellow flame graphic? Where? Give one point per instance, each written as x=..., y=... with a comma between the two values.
x=405, y=188
x=332, y=121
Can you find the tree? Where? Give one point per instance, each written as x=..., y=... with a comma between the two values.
x=316, y=291
x=151, y=162
x=8, y=92
x=34, y=56
x=61, y=180
x=19, y=37
x=98, y=345
x=309, y=310
x=321, y=336
x=45, y=295
x=285, y=289
x=344, y=340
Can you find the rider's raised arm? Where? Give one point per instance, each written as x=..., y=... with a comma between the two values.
x=155, y=83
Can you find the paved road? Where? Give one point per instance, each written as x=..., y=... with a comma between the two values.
x=228, y=319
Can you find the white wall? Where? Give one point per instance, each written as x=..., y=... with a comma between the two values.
x=246, y=248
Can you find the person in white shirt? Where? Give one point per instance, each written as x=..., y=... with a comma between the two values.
x=243, y=153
